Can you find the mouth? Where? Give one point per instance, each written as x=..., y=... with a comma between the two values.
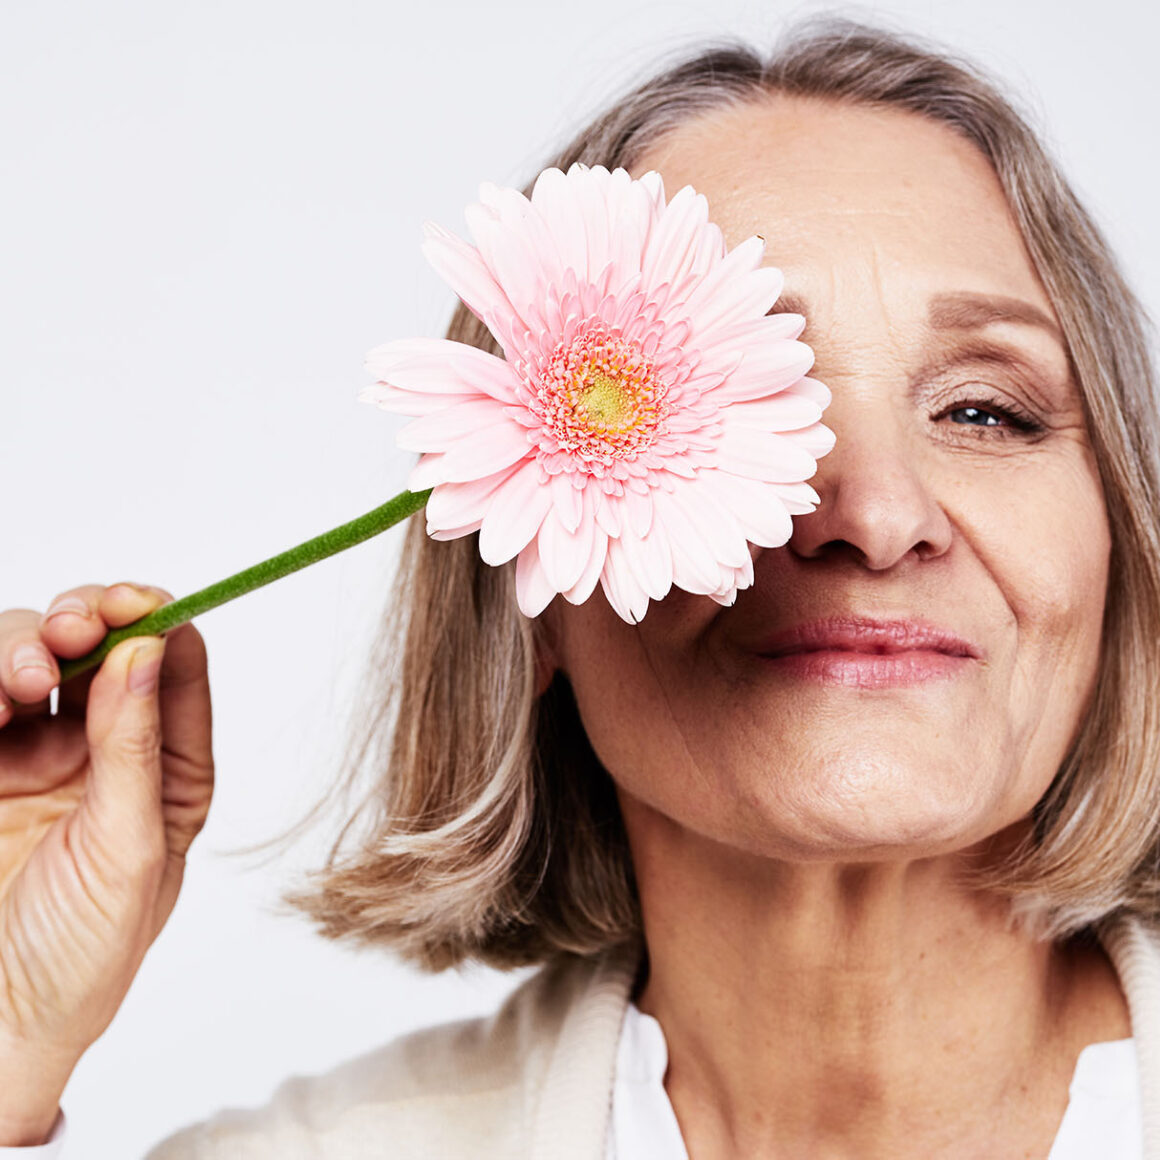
x=866, y=653
x=860, y=634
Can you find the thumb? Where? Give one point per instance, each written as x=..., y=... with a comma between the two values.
x=123, y=727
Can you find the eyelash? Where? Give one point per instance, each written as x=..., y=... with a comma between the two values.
x=1020, y=423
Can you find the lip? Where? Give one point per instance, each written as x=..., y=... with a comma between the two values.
x=868, y=653
x=867, y=635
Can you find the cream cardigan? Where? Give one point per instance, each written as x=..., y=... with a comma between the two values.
x=534, y=1080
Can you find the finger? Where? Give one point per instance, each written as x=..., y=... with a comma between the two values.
x=112, y=607
x=122, y=803
x=186, y=737
x=28, y=670
x=71, y=625
x=125, y=602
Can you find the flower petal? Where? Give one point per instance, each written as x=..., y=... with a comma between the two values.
x=533, y=591
x=651, y=560
x=674, y=243
x=785, y=411
x=759, y=510
x=713, y=522
x=462, y=267
x=442, y=430
x=457, y=505
x=621, y=586
x=764, y=369
x=565, y=555
x=694, y=567
x=491, y=450
x=736, y=288
x=764, y=454
x=514, y=517
x=442, y=367
x=817, y=439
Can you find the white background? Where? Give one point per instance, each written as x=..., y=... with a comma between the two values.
x=209, y=211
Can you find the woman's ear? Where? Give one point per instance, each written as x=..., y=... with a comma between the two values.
x=546, y=637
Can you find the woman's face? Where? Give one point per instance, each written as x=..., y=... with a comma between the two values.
x=939, y=344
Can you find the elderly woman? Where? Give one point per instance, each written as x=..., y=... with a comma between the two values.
x=863, y=865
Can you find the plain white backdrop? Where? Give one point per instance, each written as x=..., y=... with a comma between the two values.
x=209, y=212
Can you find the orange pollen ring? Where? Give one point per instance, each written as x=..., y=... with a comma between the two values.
x=601, y=397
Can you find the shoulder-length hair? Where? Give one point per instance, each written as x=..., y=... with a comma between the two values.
x=489, y=829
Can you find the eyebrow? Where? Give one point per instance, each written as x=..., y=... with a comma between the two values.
x=963, y=310
x=968, y=311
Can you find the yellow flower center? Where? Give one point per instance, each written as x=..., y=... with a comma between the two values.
x=607, y=403
x=601, y=397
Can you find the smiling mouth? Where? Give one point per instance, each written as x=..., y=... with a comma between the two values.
x=867, y=668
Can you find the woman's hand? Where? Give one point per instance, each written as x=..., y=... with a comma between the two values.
x=98, y=806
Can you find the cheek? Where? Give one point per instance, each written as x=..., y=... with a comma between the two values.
x=1045, y=539
x=621, y=677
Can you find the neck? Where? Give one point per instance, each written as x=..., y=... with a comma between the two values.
x=872, y=1009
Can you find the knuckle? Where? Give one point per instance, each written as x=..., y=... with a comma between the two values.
x=139, y=746
x=149, y=857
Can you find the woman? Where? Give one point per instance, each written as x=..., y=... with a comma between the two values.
x=794, y=897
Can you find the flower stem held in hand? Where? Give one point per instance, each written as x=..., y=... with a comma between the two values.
x=177, y=612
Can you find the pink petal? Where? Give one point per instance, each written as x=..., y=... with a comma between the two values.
x=564, y=555
x=553, y=196
x=651, y=561
x=785, y=411
x=637, y=512
x=764, y=369
x=517, y=510
x=516, y=245
x=798, y=498
x=621, y=586
x=408, y=402
x=817, y=439
x=763, y=454
x=694, y=567
x=812, y=389
x=456, y=505
x=487, y=452
x=674, y=243
x=737, y=287
x=444, y=429
x=533, y=591
x=462, y=267
x=586, y=584
x=714, y=523
x=567, y=500
x=757, y=507
x=453, y=533
x=607, y=515
x=589, y=185
x=442, y=367
x=772, y=328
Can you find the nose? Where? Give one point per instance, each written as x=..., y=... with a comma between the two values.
x=876, y=503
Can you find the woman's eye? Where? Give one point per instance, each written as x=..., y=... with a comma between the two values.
x=985, y=414
x=974, y=414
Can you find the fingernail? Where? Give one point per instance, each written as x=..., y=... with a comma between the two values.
x=72, y=604
x=145, y=667
x=128, y=588
x=30, y=656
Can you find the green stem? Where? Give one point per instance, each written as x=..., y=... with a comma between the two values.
x=168, y=616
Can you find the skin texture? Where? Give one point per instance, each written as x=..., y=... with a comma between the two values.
x=826, y=986
x=99, y=803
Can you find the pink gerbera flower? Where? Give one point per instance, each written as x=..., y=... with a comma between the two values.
x=650, y=417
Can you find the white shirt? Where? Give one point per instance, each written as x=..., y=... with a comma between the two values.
x=1103, y=1116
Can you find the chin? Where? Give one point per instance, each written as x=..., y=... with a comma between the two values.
x=866, y=811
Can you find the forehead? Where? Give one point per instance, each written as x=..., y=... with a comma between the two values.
x=878, y=200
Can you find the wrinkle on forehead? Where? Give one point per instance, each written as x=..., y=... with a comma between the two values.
x=818, y=179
